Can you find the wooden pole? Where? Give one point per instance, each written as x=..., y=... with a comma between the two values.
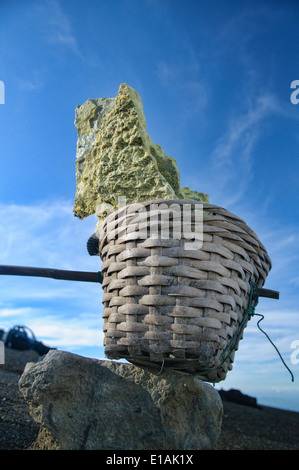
x=270, y=294
x=84, y=276
x=51, y=273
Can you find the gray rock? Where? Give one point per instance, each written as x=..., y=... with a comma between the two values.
x=84, y=403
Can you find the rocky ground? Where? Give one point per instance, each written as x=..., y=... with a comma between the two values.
x=243, y=428
x=264, y=428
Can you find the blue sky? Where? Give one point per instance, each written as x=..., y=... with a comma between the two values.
x=214, y=78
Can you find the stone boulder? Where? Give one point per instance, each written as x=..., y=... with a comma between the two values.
x=83, y=403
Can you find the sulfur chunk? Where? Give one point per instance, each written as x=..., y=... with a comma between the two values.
x=117, y=158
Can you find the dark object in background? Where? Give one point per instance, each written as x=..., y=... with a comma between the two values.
x=238, y=397
x=93, y=245
x=18, y=338
x=1, y=334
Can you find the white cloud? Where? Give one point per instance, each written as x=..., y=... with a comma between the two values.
x=30, y=85
x=11, y=312
x=85, y=330
x=48, y=235
x=43, y=234
x=232, y=157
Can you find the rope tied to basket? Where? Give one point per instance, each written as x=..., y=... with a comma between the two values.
x=253, y=300
x=248, y=314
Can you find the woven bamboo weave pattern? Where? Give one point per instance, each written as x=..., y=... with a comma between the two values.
x=168, y=306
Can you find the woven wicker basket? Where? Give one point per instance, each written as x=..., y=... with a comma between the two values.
x=170, y=307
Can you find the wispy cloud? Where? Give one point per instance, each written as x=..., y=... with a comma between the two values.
x=11, y=312
x=30, y=85
x=60, y=30
x=183, y=79
x=68, y=314
x=82, y=331
x=79, y=330
x=47, y=232
x=232, y=157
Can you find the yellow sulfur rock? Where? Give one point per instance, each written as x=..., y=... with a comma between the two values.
x=189, y=194
x=117, y=158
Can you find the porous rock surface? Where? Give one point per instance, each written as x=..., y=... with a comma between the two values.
x=83, y=403
x=117, y=158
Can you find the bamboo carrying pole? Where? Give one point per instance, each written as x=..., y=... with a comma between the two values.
x=51, y=273
x=84, y=276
